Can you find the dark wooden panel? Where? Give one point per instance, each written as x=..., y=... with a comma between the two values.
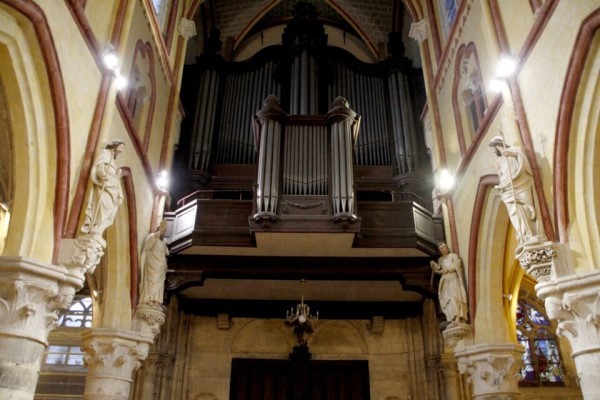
x=253, y=379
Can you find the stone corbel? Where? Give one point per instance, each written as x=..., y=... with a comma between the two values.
x=148, y=318
x=543, y=260
x=418, y=30
x=187, y=28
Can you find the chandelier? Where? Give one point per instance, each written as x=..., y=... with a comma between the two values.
x=301, y=314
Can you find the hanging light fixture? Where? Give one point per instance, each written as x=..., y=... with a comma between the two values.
x=301, y=314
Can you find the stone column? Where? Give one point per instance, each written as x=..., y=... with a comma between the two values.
x=31, y=294
x=344, y=133
x=112, y=355
x=574, y=302
x=491, y=369
x=451, y=377
x=454, y=334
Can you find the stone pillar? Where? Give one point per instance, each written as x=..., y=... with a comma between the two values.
x=450, y=376
x=344, y=133
x=112, y=355
x=574, y=302
x=454, y=334
x=268, y=141
x=491, y=369
x=31, y=294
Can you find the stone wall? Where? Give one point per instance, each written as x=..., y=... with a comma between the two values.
x=396, y=359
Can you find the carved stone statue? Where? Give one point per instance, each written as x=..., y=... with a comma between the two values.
x=451, y=291
x=106, y=195
x=516, y=189
x=154, y=267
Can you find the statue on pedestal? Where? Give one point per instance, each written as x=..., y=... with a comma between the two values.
x=451, y=290
x=516, y=190
x=106, y=195
x=154, y=267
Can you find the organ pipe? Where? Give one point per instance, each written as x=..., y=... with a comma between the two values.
x=345, y=124
x=268, y=121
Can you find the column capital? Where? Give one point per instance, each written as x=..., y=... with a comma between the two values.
x=574, y=302
x=111, y=356
x=492, y=369
x=33, y=293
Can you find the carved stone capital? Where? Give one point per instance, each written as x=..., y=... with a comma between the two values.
x=492, y=369
x=574, y=302
x=31, y=295
x=148, y=318
x=187, y=28
x=541, y=260
x=111, y=356
x=418, y=30
x=455, y=332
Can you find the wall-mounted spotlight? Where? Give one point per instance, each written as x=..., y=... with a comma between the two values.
x=120, y=81
x=506, y=67
x=162, y=180
x=111, y=59
x=445, y=181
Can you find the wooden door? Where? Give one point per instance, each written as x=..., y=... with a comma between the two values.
x=253, y=379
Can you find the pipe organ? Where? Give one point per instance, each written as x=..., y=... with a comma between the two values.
x=303, y=152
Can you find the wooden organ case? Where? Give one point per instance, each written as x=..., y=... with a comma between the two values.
x=305, y=137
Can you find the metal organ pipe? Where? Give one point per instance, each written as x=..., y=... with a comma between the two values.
x=267, y=192
x=205, y=114
x=344, y=131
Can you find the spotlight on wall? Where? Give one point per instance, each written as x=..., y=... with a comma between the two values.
x=120, y=81
x=445, y=180
x=506, y=67
x=496, y=85
x=162, y=180
x=110, y=58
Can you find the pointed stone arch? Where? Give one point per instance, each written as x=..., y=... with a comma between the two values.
x=40, y=131
x=577, y=148
x=486, y=261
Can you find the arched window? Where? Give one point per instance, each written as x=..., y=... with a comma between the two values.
x=141, y=92
x=468, y=96
x=62, y=373
x=542, y=364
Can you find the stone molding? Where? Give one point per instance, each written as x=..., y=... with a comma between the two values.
x=573, y=301
x=492, y=369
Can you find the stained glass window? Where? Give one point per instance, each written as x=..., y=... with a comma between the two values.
x=542, y=365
